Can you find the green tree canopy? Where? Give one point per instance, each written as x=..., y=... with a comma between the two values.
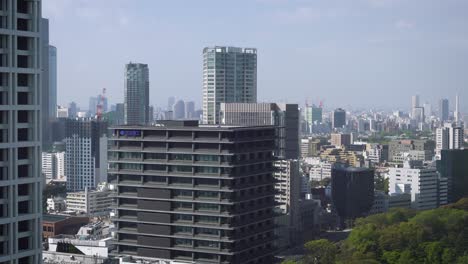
x=401, y=236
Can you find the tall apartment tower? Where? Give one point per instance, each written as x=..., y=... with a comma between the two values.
x=190, y=193
x=85, y=153
x=136, y=104
x=229, y=76
x=20, y=133
x=53, y=165
x=443, y=110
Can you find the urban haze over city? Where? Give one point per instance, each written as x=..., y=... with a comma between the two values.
x=219, y=132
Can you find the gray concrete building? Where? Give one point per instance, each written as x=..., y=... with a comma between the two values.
x=136, y=101
x=397, y=148
x=20, y=132
x=229, y=76
x=284, y=116
x=201, y=194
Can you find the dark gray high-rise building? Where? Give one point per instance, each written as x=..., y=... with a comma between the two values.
x=20, y=132
x=229, y=76
x=453, y=165
x=136, y=104
x=444, y=110
x=339, y=118
x=284, y=116
x=201, y=194
x=352, y=191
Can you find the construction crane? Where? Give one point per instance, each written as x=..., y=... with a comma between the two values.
x=100, y=104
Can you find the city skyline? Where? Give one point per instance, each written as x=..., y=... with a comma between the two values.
x=262, y=170
x=403, y=52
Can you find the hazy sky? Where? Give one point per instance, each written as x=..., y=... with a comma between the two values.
x=345, y=52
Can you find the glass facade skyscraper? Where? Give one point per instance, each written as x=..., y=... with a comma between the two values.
x=229, y=76
x=136, y=101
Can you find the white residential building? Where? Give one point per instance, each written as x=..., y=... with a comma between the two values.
x=56, y=204
x=53, y=165
x=92, y=244
x=320, y=170
x=288, y=183
x=62, y=112
x=376, y=153
x=91, y=202
x=422, y=183
x=421, y=155
x=450, y=136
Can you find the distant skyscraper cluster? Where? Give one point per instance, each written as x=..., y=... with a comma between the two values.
x=250, y=179
x=180, y=110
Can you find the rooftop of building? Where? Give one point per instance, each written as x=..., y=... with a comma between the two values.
x=342, y=167
x=188, y=125
x=53, y=218
x=230, y=49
